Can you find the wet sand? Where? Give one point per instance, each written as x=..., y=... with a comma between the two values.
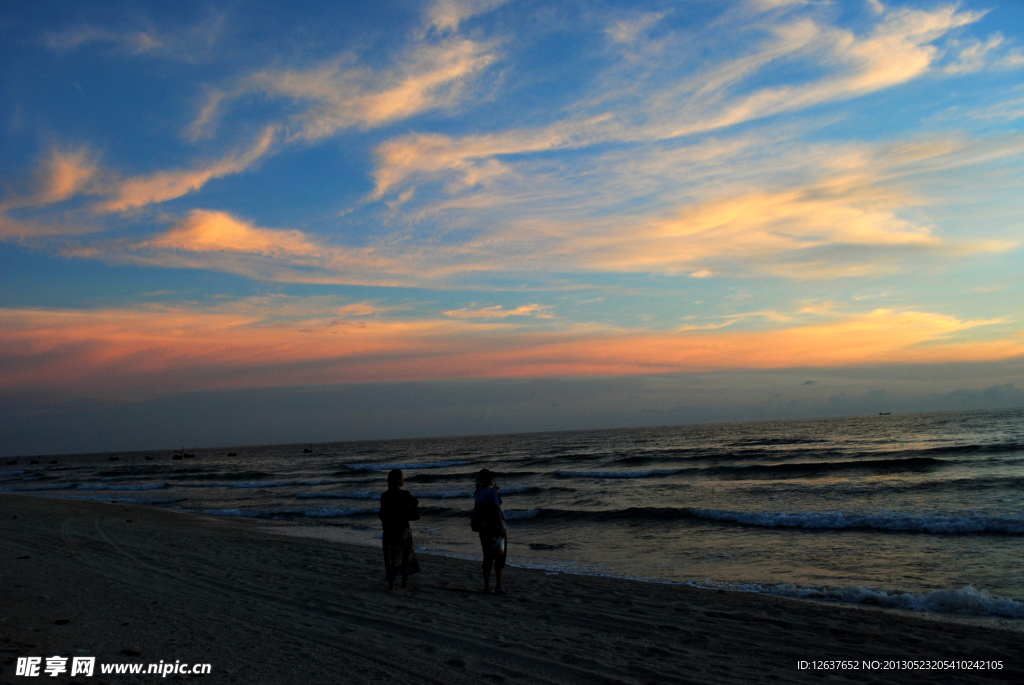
x=135, y=584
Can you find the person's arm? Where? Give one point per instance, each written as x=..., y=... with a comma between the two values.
x=412, y=510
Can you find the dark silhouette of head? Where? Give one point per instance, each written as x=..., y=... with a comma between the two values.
x=395, y=478
x=484, y=478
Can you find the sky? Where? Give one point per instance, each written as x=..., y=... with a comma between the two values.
x=235, y=223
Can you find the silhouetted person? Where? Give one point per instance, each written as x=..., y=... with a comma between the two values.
x=397, y=508
x=489, y=521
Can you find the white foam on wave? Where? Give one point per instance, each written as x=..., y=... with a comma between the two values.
x=966, y=600
x=332, y=513
x=446, y=494
x=36, y=488
x=443, y=494
x=894, y=521
x=337, y=495
x=618, y=474
x=449, y=494
x=122, y=500
x=421, y=465
x=275, y=513
x=257, y=484
x=521, y=513
x=4, y=474
x=147, y=486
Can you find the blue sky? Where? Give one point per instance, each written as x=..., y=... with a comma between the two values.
x=205, y=197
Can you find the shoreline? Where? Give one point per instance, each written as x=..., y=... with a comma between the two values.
x=977, y=619
x=110, y=580
x=885, y=599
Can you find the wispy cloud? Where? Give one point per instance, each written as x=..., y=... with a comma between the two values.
x=758, y=207
x=497, y=312
x=898, y=49
x=162, y=186
x=219, y=241
x=189, y=43
x=853, y=214
x=449, y=14
x=639, y=104
x=61, y=175
x=342, y=94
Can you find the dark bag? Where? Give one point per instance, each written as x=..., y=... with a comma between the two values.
x=413, y=509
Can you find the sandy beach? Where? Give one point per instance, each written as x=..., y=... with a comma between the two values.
x=130, y=584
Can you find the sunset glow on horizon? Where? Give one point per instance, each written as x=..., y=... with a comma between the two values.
x=199, y=198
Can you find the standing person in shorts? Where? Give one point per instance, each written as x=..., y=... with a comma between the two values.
x=489, y=521
x=397, y=508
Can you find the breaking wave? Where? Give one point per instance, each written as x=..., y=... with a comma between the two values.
x=966, y=600
x=148, y=486
x=894, y=521
x=618, y=474
x=283, y=513
x=420, y=465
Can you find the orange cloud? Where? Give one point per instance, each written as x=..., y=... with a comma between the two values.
x=98, y=353
x=495, y=312
x=766, y=231
x=206, y=231
x=61, y=175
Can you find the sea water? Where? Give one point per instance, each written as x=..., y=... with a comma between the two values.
x=920, y=511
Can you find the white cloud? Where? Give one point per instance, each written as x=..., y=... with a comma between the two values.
x=341, y=94
x=629, y=30
x=188, y=43
x=447, y=15
x=972, y=55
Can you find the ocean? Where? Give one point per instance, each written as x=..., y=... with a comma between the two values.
x=921, y=512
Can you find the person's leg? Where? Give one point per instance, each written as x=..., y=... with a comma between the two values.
x=488, y=563
x=499, y=570
x=389, y=567
x=406, y=556
x=485, y=545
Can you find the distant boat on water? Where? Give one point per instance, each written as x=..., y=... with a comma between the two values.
x=232, y=454
x=307, y=450
x=113, y=459
x=12, y=462
x=884, y=413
